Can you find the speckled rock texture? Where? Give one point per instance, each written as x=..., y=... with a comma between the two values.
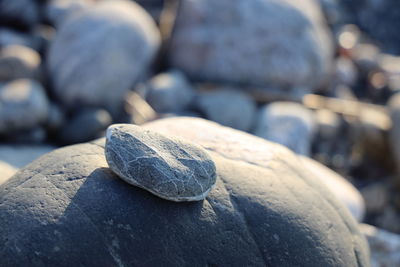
x=169, y=168
x=23, y=105
x=281, y=44
x=286, y=123
x=97, y=56
x=68, y=208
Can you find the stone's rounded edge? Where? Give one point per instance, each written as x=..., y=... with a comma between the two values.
x=183, y=143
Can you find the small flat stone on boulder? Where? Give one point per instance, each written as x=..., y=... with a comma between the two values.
x=168, y=168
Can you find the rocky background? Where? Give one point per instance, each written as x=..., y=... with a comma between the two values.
x=320, y=77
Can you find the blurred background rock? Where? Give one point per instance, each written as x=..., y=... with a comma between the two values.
x=320, y=77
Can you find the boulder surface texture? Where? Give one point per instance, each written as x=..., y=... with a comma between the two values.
x=68, y=208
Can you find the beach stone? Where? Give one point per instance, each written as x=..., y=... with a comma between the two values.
x=234, y=144
x=276, y=213
x=6, y=171
x=283, y=44
x=23, y=105
x=385, y=246
x=286, y=123
x=85, y=125
x=97, y=56
x=19, y=13
x=170, y=92
x=228, y=107
x=171, y=169
x=17, y=62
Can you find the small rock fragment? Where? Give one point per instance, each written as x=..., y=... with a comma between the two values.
x=171, y=169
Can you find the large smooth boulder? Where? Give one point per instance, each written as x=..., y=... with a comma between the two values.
x=283, y=44
x=97, y=56
x=68, y=208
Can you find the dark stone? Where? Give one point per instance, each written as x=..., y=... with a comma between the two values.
x=84, y=126
x=68, y=208
x=166, y=167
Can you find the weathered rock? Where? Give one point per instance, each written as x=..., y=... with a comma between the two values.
x=97, y=57
x=170, y=92
x=6, y=171
x=385, y=246
x=19, y=13
x=18, y=62
x=286, y=123
x=339, y=186
x=69, y=203
x=228, y=107
x=235, y=145
x=171, y=169
x=23, y=105
x=263, y=43
x=86, y=125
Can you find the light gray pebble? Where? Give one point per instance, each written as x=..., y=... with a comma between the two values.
x=228, y=107
x=170, y=92
x=171, y=169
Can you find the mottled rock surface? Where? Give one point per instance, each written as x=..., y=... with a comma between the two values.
x=241, y=146
x=97, y=56
x=68, y=206
x=169, y=168
x=286, y=123
x=228, y=107
x=18, y=62
x=23, y=105
x=261, y=42
x=170, y=92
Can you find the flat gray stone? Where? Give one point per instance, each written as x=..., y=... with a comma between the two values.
x=171, y=169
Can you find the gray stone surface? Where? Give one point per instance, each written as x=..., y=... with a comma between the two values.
x=17, y=62
x=68, y=208
x=241, y=146
x=97, y=56
x=272, y=43
x=20, y=13
x=169, y=168
x=170, y=92
x=23, y=105
x=85, y=125
x=228, y=107
x=286, y=123
x=385, y=246
x=11, y=37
